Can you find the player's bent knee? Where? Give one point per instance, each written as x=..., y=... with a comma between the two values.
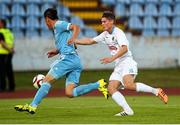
x=70, y=95
x=111, y=89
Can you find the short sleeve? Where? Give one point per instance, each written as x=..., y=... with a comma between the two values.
x=63, y=25
x=99, y=38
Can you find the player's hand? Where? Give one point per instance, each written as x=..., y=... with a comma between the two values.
x=71, y=41
x=52, y=53
x=106, y=60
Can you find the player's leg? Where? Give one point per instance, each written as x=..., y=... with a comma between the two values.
x=73, y=90
x=118, y=97
x=128, y=81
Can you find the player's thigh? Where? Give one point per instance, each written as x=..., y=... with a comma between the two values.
x=128, y=81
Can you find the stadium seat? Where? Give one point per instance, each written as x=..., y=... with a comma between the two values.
x=46, y=33
x=163, y=23
x=148, y=32
x=177, y=1
x=177, y=9
x=34, y=1
x=18, y=33
x=32, y=23
x=45, y=6
x=120, y=10
x=152, y=1
x=17, y=23
x=109, y=2
x=176, y=32
x=135, y=23
x=165, y=10
x=5, y=2
x=18, y=9
x=151, y=9
x=4, y=10
x=163, y=32
x=89, y=32
x=166, y=1
x=136, y=9
x=33, y=10
x=138, y=1
x=63, y=11
x=176, y=23
x=54, y=2
x=77, y=20
x=32, y=33
x=20, y=1
x=123, y=1
x=149, y=23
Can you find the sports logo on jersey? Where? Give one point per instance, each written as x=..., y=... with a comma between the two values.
x=112, y=47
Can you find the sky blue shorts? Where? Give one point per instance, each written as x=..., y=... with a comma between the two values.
x=67, y=65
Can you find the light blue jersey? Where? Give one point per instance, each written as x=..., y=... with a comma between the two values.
x=62, y=34
x=68, y=64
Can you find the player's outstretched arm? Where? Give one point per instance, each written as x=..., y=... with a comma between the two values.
x=85, y=41
x=76, y=30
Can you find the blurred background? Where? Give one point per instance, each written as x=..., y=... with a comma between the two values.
x=152, y=28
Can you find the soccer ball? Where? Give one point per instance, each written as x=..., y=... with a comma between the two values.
x=37, y=80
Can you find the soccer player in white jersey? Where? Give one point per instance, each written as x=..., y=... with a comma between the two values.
x=68, y=64
x=125, y=69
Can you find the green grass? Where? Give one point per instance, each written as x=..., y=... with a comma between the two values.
x=90, y=110
x=153, y=77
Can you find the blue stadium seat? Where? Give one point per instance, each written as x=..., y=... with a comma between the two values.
x=120, y=10
x=177, y=1
x=45, y=6
x=176, y=32
x=89, y=32
x=152, y=1
x=165, y=10
x=46, y=33
x=32, y=23
x=149, y=23
x=148, y=32
x=109, y=2
x=6, y=2
x=32, y=33
x=136, y=9
x=18, y=33
x=77, y=20
x=18, y=9
x=34, y=1
x=4, y=10
x=138, y=1
x=54, y=2
x=163, y=32
x=135, y=23
x=33, y=10
x=176, y=23
x=17, y=23
x=177, y=10
x=151, y=9
x=19, y=1
x=63, y=11
x=163, y=23
x=123, y=1
x=166, y=1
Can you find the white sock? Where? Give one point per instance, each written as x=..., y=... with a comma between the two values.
x=121, y=101
x=141, y=87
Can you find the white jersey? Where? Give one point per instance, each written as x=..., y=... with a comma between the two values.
x=114, y=41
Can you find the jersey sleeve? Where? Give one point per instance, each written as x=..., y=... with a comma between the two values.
x=121, y=38
x=63, y=25
x=99, y=38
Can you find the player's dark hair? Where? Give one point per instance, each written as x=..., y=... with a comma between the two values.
x=108, y=15
x=1, y=37
x=51, y=13
x=3, y=21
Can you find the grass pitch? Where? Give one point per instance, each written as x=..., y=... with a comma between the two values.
x=90, y=110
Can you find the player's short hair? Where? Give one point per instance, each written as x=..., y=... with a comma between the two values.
x=3, y=21
x=1, y=37
x=109, y=15
x=51, y=13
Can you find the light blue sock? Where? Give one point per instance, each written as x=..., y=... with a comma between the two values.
x=83, y=89
x=40, y=94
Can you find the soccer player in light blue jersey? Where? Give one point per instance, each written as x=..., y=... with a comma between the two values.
x=68, y=64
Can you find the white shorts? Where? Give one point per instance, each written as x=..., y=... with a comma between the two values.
x=125, y=67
